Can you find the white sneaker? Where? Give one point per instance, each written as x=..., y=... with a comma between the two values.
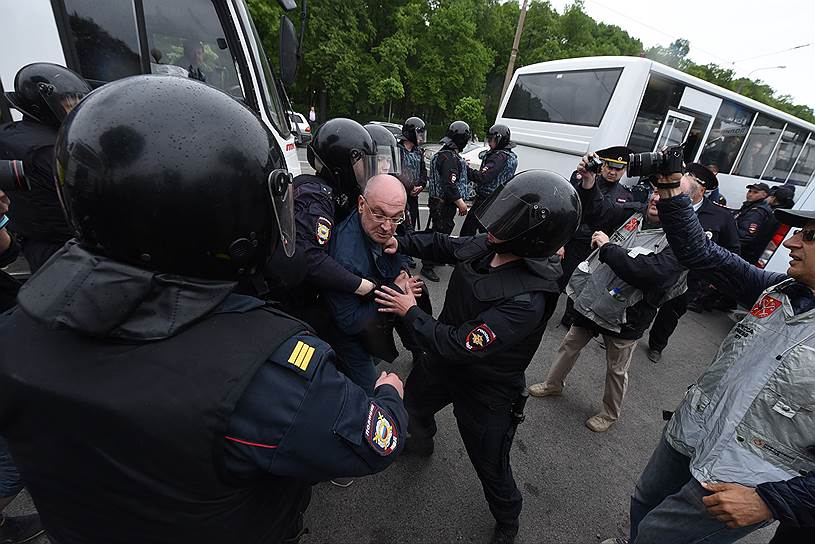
x=599, y=424
x=545, y=390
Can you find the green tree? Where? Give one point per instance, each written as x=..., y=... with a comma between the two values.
x=471, y=111
x=386, y=90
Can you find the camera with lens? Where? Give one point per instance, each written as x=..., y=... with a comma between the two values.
x=594, y=164
x=12, y=177
x=665, y=162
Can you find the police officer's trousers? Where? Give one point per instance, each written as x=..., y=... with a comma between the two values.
x=471, y=223
x=486, y=430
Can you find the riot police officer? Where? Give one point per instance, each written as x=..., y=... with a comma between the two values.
x=614, y=162
x=414, y=171
x=751, y=218
x=343, y=155
x=498, y=165
x=200, y=415
x=44, y=93
x=499, y=299
x=447, y=186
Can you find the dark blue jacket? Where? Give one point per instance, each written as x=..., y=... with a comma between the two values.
x=792, y=501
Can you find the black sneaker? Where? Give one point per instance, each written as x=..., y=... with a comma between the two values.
x=655, y=355
x=429, y=273
x=20, y=529
x=504, y=534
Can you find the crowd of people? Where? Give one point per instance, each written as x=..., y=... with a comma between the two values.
x=198, y=342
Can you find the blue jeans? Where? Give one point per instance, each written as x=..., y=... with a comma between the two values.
x=10, y=483
x=667, y=507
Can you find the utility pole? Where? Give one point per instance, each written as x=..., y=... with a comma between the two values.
x=514, y=53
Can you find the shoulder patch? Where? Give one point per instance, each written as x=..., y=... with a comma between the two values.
x=753, y=228
x=765, y=307
x=479, y=338
x=380, y=431
x=631, y=225
x=301, y=355
x=323, y=230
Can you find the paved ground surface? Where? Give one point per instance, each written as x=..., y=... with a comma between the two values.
x=575, y=483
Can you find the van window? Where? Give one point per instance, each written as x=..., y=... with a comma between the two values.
x=805, y=166
x=660, y=95
x=726, y=136
x=187, y=39
x=105, y=38
x=785, y=154
x=760, y=144
x=572, y=98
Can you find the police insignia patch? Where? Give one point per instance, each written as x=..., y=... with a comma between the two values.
x=479, y=338
x=765, y=307
x=453, y=178
x=753, y=228
x=631, y=225
x=323, y=230
x=380, y=431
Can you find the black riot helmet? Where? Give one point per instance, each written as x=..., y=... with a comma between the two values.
x=46, y=92
x=344, y=155
x=414, y=130
x=533, y=215
x=388, y=158
x=173, y=175
x=499, y=134
x=459, y=134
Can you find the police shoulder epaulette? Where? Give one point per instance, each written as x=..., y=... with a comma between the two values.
x=301, y=354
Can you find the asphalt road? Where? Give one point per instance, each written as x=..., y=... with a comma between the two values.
x=575, y=483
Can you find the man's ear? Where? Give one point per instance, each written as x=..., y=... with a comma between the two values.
x=360, y=202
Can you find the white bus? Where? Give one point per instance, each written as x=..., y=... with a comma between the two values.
x=112, y=39
x=559, y=110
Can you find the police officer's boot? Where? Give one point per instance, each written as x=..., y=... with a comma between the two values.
x=20, y=529
x=504, y=534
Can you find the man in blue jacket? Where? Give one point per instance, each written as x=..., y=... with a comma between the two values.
x=739, y=452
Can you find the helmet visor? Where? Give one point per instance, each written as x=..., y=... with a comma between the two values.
x=507, y=217
x=364, y=167
x=60, y=102
x=388, y=160
x=281, y=191
x=421, y=136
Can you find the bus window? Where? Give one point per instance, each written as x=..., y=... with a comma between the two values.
x=572, y=98
x=759, y=146
x=660, y=96
x=186, y=38
x=726, y=136
x=104, y=36
x=805, y=166
x=785, y=154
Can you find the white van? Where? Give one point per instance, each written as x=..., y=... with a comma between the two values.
x=112, y=39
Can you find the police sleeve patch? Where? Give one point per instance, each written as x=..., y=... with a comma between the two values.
x=380, y=431
x=323, y=230
x=479, y=338
x=632, y=225
x=753, y=228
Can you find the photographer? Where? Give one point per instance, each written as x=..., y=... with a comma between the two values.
x=619, y=288
x=720, y=227
x=607, y=171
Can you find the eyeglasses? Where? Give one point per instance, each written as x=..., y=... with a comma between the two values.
x=382, y=219
x=807, y=235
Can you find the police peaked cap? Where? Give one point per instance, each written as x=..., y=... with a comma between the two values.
x=704, y=175
x=615, y=156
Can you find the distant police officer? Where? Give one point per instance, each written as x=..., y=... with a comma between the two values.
x=414, y=171
x=343, y=155
x=498, y=165
x=719, y=227
x=494, y=315
x=142, y=400
x=44, y=93
x=615, y=160
x=750, y=219
x=447, y=187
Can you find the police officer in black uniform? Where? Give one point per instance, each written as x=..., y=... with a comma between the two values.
x=500, y=296
x=721, y=228
x=142, y=399
x=447, y=186
x=750, y=219
x=414, y=171
x=615, y=160
x=498, y=165
x=343, y=155
x=44, y=93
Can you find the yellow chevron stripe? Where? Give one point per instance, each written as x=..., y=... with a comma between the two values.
x=306, y=358
x=296, y=352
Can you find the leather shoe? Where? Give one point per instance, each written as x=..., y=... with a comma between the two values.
x=20, y=529
x=504, y=534
x=544, y=390
x=655, y=355
x=429, y=273
x=599, y=424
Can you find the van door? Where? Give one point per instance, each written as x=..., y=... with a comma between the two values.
x=675, y=130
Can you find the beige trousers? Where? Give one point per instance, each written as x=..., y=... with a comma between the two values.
x=618, y=359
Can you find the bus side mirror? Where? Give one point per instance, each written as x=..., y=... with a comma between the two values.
x=288, y=51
